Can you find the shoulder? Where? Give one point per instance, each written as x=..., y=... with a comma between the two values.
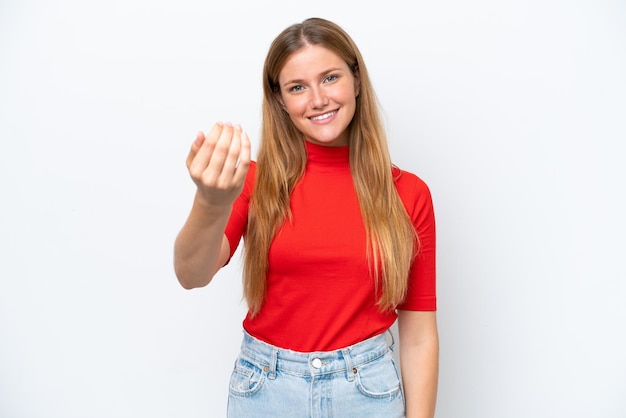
x=409, y=183
x=413, y=191
x=251, y=172
x=248, y=185
x=252, y=166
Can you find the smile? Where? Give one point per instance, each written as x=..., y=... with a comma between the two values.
x=324, y=116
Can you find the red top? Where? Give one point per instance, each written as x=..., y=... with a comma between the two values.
x=319, y=293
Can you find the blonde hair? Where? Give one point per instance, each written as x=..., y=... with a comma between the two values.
x=391, y=237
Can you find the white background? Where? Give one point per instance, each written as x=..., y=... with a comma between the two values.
x=514, y=112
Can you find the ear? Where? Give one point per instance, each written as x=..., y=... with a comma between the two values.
x=357, y=85
x=357, y=82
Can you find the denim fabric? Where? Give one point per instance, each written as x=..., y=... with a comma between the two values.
x=358, y=381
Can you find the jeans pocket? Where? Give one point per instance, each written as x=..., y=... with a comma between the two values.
x=379, y=378
x=247, y=378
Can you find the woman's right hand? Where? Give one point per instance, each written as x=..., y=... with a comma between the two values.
x=218, y=163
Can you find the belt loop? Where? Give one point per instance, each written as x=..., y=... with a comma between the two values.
x=273, y=360
x=349, y=366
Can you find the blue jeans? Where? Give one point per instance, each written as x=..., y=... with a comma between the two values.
x=357, y=381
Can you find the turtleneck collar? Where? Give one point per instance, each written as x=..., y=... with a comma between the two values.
x=326, y=158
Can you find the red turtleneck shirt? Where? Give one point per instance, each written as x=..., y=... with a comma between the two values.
x=320, y=295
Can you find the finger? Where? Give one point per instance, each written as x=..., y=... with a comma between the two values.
x=201, y=159
x=199, y=141
x=244, y=160
x=220, y=153
x=195, y=146
x=230, y=162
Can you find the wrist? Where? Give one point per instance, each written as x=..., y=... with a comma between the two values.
x=210, y=206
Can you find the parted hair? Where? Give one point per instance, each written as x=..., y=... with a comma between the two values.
x=391, y=238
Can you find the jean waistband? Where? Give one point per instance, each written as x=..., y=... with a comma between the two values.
x=349, y=358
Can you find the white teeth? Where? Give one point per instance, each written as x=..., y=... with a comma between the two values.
x=324, y=116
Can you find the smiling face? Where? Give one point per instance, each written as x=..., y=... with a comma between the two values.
x=318, y=90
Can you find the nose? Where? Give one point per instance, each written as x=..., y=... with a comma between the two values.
x=318, y=98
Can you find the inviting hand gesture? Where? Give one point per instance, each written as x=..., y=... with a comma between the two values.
x=218, y=163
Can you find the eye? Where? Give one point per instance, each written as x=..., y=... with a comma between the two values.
x=296, y=89
x=330, y=78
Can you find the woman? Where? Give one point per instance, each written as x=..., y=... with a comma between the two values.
x=339, y=243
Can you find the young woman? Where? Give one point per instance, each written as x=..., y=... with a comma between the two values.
x=339, y=243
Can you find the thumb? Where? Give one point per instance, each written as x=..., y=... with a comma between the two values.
x=195, y=147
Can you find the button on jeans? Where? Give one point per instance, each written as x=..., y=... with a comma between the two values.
x=357, y=381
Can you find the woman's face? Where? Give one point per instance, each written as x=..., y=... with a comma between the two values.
x=318, y=90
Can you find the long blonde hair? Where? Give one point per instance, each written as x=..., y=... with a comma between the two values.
x=281, y=160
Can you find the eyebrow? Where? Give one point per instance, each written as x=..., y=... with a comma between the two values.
x=322, y=74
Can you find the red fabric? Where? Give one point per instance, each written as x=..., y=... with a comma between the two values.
x=320, y=296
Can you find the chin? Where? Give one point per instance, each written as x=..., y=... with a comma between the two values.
x=329, y=140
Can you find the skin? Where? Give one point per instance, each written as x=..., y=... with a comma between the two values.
x=318, y=91
x=419, y=361
x=218, y=163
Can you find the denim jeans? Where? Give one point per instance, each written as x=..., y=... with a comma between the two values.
x=357, y=381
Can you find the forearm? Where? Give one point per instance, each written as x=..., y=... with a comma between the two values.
x=419, y=358
x=198, y=249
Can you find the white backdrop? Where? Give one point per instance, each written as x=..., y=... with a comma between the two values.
x=513, y=112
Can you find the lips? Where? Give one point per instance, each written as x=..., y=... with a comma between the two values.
x=323, y=116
